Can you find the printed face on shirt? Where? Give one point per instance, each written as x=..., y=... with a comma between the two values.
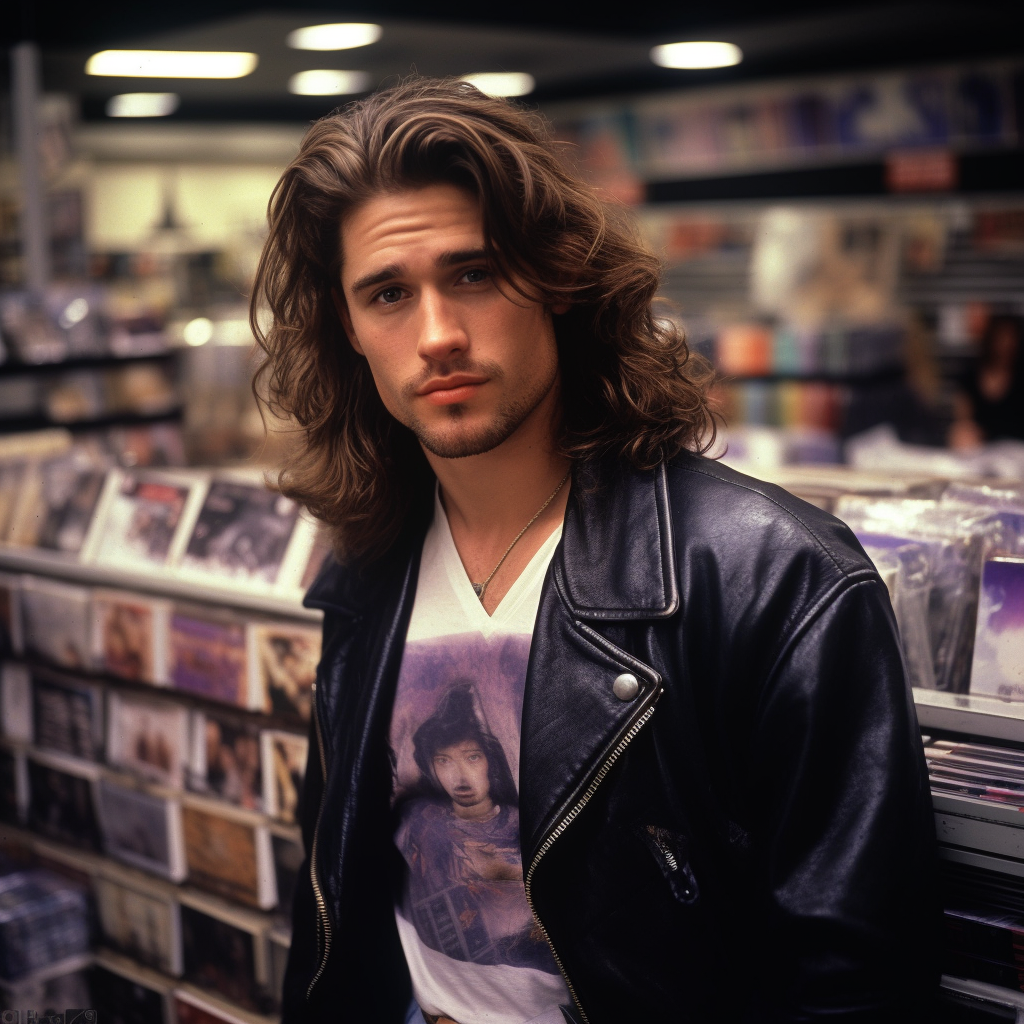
x=458, y=356
x=462, y=771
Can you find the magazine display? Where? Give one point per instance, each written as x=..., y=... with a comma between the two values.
x=284, y=657
x=284, y=766
x=242, y=534
x=10, y=614
x=226, y=759
x=124, y=994
x=149, y=738
x=142, y=923
x=130, y=635
x=998, y=667
x=56, y=622
x=62, y=801
x=16, y=702
x=224, y=950
x=143, y=519
x=229, y=854
x=142, y=829
x=208, y=654
x=68, y=716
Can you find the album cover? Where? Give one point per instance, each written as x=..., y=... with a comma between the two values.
x=208, y=654
x=142, y=829
x=229, y=854
x=289, y=857
x=44, y=919
x=130, y=635
x=16, y=702
x=148, y=737
x=242, y=533
x=10, y=613
x=13, y=786
x=143, y=517
x=998, y=668
x=58, y=507
x=284, y=657
x=62, y=801
x=124, y=993
x=284, y=765
x=67, y=716
x=143, y=923
x=224, y=951
x=56, y=621
x=226, y=759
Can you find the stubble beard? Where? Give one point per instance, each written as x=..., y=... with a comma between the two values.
x=508, y=418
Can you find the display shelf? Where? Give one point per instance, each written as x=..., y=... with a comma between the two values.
x=16, y=368
x=160, y=583
x=868, y=378
x=970, y=715
x=22, y=424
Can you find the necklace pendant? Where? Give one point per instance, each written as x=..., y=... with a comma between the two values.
x=478, y=589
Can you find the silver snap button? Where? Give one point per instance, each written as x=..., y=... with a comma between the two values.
x=626, y=686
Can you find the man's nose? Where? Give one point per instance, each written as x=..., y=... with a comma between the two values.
x=442, y=333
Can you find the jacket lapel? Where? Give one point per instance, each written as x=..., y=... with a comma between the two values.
x=616, y=563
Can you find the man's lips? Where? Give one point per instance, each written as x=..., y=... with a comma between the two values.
x=448, y=390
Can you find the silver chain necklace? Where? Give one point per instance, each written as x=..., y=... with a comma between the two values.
x=480, y=588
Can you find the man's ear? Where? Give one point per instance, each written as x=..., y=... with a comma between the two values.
x=341, y=306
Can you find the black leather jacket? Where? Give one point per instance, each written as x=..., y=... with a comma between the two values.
x=749, y=838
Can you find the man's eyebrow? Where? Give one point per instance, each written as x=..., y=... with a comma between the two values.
x=453, y=258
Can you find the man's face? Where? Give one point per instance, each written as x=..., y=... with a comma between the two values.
x=461, y=769
x=455, y=360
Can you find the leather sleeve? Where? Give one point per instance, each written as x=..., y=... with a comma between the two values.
x=845, y=859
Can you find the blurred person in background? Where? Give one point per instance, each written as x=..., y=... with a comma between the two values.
x=989, y=404
x=694, y=678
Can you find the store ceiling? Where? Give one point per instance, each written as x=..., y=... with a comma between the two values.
x=570, y=50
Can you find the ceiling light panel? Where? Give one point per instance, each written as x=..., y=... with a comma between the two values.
x=344, y=35
x=171, y=64
x=502, y=83
x=324, y=82
x=142, y=104
x=697, y=55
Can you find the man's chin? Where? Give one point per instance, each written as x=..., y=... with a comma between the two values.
x=462, y=444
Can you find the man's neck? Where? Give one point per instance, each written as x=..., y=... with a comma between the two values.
x=489, y=498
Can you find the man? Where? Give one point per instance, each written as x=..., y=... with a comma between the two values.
x=694, y=678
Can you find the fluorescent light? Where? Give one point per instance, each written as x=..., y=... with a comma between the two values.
x=171, y=64
x=328, y=83
x=502, y=83
x=142, y=104
x=697, y=55
x=198, y=332
x=342, y=35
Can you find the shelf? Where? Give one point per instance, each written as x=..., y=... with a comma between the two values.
x=971, y=715
x=164, y=584
x=863, y=379
x=105, y=362
x=22, y=424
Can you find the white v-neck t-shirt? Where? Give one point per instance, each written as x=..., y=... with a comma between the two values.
x=474, y=950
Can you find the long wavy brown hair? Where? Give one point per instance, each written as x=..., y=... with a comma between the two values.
x=630, y=389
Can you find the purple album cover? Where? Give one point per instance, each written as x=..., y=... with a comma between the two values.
x=998, y=668
x=208, y=657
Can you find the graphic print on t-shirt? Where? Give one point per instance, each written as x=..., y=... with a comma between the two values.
x=455, y=751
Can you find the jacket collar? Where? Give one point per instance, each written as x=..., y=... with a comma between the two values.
x=616, y=560
x=617, y=557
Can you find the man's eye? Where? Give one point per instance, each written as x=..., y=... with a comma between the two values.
x=476, y=275
x=390, y=296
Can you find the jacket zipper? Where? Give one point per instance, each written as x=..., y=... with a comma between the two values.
x=323, y=920
x=562, y=826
